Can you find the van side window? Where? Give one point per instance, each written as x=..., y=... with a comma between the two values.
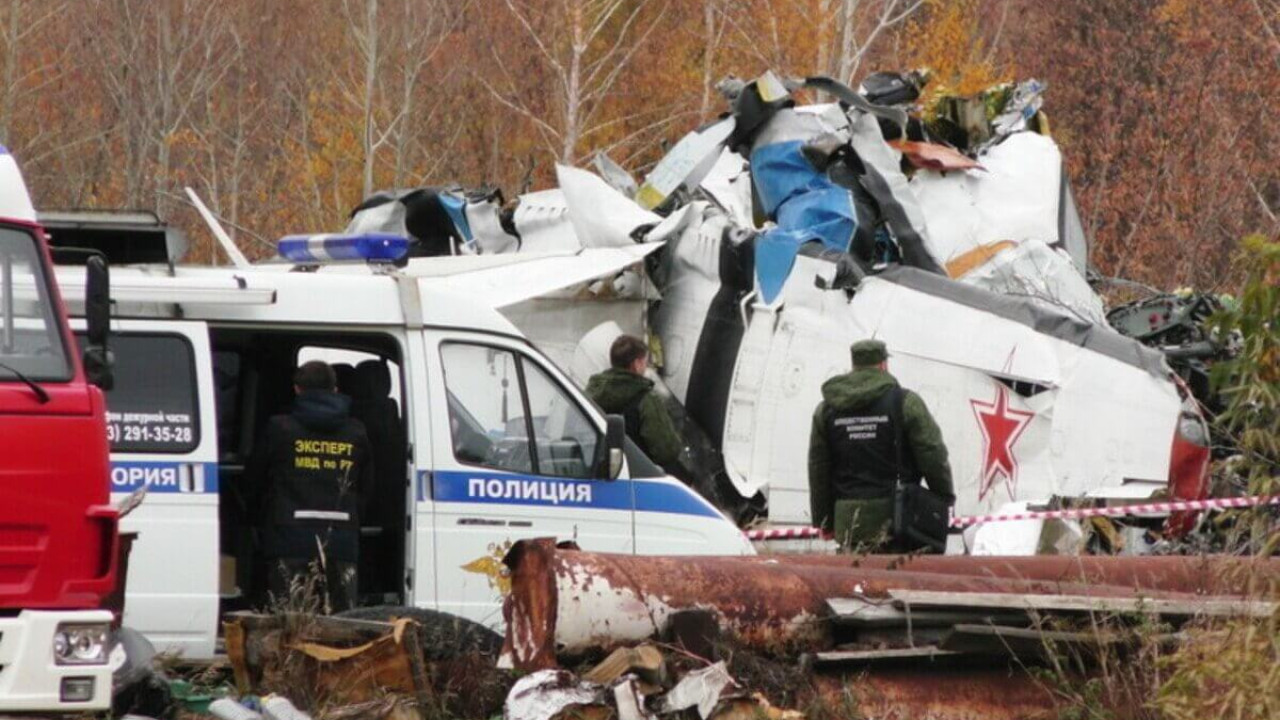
x=345, y=362
x=498, y=401
x=566, y=439
x=486, y=407
x=152, y=408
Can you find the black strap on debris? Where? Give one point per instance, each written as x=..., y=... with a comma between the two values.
x=849, y=96
x=750, y=113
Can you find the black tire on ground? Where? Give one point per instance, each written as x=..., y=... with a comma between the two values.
x=444, y=636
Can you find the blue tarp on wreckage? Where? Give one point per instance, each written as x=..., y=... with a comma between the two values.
x=807, y=207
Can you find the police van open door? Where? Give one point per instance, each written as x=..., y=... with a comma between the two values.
x=515, y=458
x=163, y=436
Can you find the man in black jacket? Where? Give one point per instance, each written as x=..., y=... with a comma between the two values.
x=312, y=472
x=857, y=451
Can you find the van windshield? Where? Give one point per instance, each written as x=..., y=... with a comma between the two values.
x=31, y=340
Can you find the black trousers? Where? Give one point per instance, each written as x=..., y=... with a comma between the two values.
x=301, y=581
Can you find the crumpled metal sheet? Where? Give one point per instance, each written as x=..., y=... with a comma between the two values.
x=1027, y=98
x=704, y=689
x=1023, y=205
x=612, y=216
x=629, y=700
x=545, y=694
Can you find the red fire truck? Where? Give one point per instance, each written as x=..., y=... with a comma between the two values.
x=58, y=534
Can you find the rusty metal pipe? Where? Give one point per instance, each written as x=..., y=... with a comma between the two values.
x=937, y=690
x=569, y=601
x=1219, y=575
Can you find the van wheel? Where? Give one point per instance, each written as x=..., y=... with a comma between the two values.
x=444, y=636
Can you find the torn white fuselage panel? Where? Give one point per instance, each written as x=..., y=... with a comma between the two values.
x=1015, y=401
x=542, y=220
x=1012, y=227
x=1034, y=270
x=600, y=215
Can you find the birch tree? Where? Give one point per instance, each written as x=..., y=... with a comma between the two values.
x=158, y=60
x=397, y=43
x=713, y=31
x=20, y=23
x=859, y=23
x=585, y=45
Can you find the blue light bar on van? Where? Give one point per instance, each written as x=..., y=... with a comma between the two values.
x=369, y=247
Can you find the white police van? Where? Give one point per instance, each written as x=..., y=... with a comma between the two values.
x=495, y=444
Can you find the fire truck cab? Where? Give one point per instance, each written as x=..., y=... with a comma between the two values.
x=58, y=538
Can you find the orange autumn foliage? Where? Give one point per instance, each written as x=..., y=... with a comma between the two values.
x=271, y=112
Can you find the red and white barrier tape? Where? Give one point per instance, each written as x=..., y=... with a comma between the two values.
x=803, y=533
x=1120, y=510
x=792, y=533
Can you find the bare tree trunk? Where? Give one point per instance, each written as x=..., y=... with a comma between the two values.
x=708, y=56
x=11, y=55
x=404, y=136
x=573, y=89
x=166, y=82
x=823, y=62
x=848, y=41
x=20, y=24
x=370, y=80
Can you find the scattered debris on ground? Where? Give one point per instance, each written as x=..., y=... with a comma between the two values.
x=340, y=667
x=637, y=683
x=941, y=637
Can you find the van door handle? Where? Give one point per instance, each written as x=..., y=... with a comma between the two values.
x=191, y=478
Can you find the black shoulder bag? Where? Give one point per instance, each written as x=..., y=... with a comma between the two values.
x=920, y=517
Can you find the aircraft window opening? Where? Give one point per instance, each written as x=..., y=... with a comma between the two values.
x=1024, y=388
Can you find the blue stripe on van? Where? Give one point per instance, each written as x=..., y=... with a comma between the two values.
x=530, y=490
x=160, y=477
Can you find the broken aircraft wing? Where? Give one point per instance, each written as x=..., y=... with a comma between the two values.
x=524, y=276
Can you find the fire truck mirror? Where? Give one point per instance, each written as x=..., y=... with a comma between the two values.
x=97, y=311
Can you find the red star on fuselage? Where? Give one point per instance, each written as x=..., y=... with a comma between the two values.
x=1001, y=426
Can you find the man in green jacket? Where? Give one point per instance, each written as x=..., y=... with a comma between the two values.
x=854, y=453
x=624, y=390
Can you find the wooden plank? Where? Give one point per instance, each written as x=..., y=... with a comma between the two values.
x=330, y=629
x=931, y=599
x=863, y=613
x=835, y=657
x=235, y=635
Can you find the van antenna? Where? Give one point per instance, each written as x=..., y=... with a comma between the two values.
x=228, y=245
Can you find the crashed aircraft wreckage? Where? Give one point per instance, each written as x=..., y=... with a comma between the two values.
x=791, y=231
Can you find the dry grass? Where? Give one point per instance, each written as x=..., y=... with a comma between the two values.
x=1143, y=669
